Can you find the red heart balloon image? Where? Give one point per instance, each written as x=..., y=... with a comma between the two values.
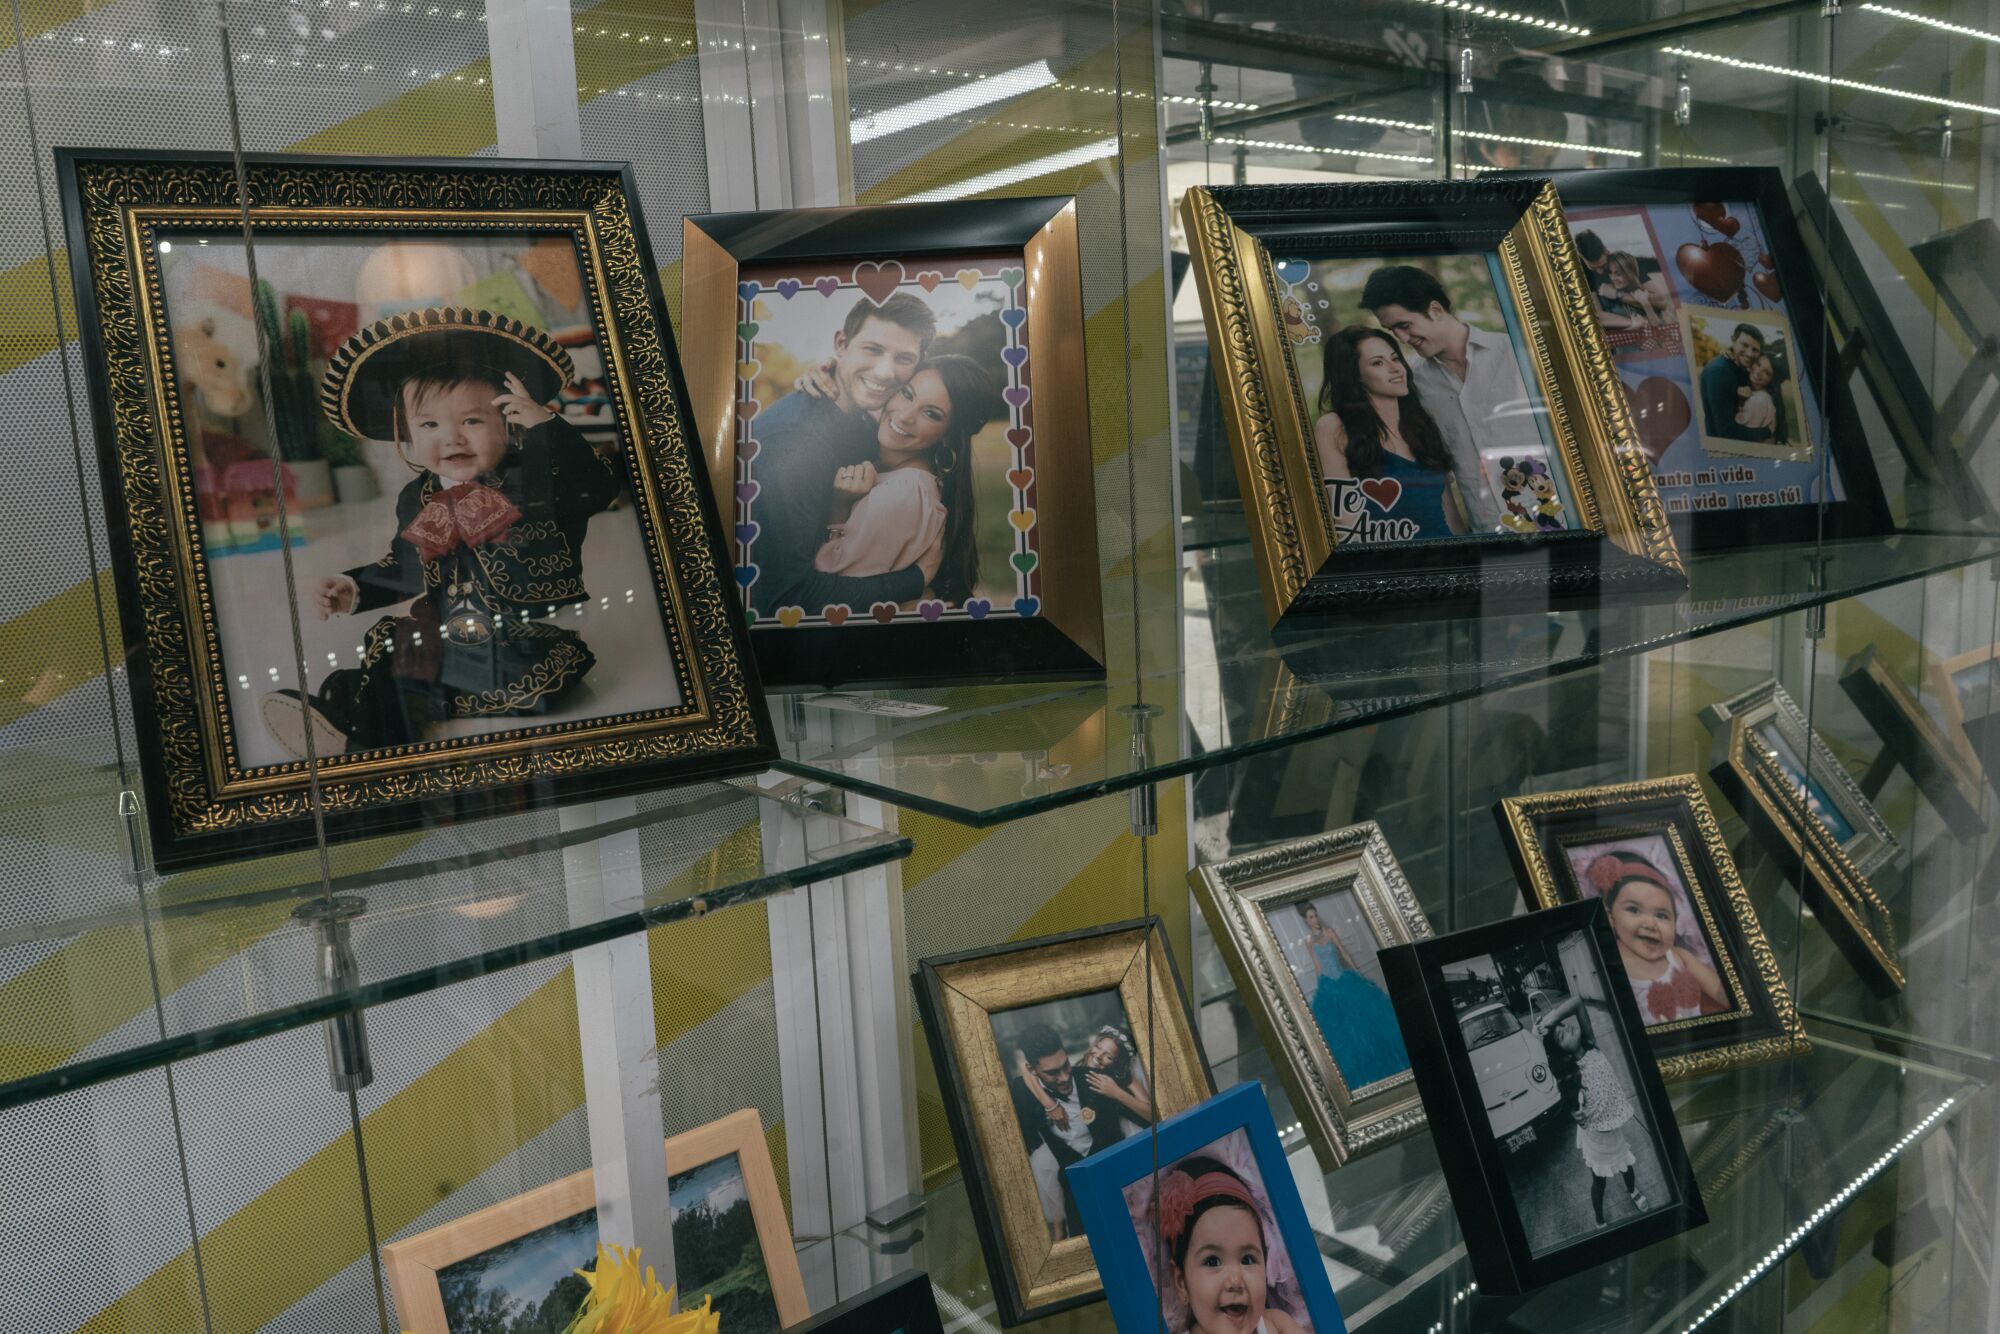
x=1767, y=283
x=1710, y=212
x=1660, y=409
x=1384, y=491
x=835, y=615
x=1729, y=226
x=1716, y=271
x=1764, y=260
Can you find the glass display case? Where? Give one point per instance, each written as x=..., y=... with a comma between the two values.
x=1417, y=466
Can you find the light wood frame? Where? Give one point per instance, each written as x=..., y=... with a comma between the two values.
x=412, y=1264
x=1942, y=762
x=1237, y=897
x=1944, y=677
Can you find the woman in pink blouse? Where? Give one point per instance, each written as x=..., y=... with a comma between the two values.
x=915, y=500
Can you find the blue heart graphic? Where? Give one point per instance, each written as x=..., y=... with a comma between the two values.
x=746, y=533
x=749, y=290
x=1013, y=356
x=1027, y=606
x=1293, y=271
x=1012, y=317
x=746, y=575
x=977, y=608
x=788, y=288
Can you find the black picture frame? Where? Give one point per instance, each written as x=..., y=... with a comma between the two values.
x=1865, y=512
x=1617, y=545
x=904, y=1304
x=1060, y=639
x=112, y=201
x=1496, y=1238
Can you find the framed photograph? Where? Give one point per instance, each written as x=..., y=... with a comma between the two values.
x=1201, y=1227
x=1551, y=1121
x=1704, y=979
x=904, y=1304
x=900, y=426
x=1817, y=778
x=1047, y=1052
x=1300, y=925
x=516, y=1261
x=1424, y=421
x=1968, y=688
x=1785, y=818
x=1710, y=304
x=1919, y=733
x=518, y=595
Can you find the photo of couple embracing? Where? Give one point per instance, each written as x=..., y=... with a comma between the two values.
x=883, y=465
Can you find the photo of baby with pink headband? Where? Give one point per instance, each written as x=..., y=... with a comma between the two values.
x=1661, y=939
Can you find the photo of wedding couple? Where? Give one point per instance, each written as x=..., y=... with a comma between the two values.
x=1425, y=419
x=885, y=455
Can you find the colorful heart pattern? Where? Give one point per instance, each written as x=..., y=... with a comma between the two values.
x=930, y=610
x=977, y=608
x=748, y=491
x=744, y=412
x=746, y=575
x=826, y=286
x=878, y=279
x=747, y=331
x=1022, y=520
x=835, y=615
x=1026, y=561
x=746, y=533
x=1292, y=271
x=747, y=449
x=1027, y=606
x=789, y=617
x=930, y=280
x=748, y=291
x=789, y=288
x=883, y=612
x=747, y=371
x=969, y=278
x=1019, y=437
x=1013, y=356
x=1012, y=317
x=1021, y=477
x=1016, y=395
x=1011, y=277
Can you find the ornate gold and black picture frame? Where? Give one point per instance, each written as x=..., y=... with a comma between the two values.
x=897, y=425
x=1424, y=414
x=1707, y=985
x=1300, y=925
x=1785, y=819
x=1817, y=777
x=1920, y=738
x=518, y=593
x=1047, y=1052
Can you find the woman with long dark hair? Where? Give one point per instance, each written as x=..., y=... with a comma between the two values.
x=913, y=505
x=1373, y=424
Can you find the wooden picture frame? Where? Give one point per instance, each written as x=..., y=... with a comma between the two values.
x=904, y=1304
x=1941, y=761
x=1845, y=810
x=993, y=280
x=1473, y=986
x=1705, y=195
x=959, y=997
x=498, y=711
x=1122, y=1194
x=1328, y=544
x=1853, y=916
x=413, y=1265
x=1240, y=897
x=1968, y=692
x=1664, y=826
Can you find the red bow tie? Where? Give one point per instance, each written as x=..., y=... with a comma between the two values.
x=467, y=514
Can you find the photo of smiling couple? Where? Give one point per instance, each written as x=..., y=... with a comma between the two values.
x=1427, y=423
x=873, y=451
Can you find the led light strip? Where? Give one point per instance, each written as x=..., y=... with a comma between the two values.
x=1546, y=143
x=1829, y=80
x=1958, y=28
x=1509, y=16
x=1902, y=180
x=1813, y=1220
x=1079, y=156
x=1415, y=127
x=1313, y=149
x=944, y=72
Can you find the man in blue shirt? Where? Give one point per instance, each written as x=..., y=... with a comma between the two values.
x=1721, y=381
x=805, y=438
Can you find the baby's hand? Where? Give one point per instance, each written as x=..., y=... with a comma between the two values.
x=818, y=382
x=335, y=595
x=518, y=406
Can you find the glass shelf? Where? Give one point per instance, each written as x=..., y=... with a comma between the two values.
x=1778, y=1153
x=998, y=753
x=77, y=997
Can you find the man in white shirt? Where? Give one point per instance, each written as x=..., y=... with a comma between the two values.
x=1469, y=379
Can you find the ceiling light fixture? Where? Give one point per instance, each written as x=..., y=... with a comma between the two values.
x=1082, y=155
x=951, y=102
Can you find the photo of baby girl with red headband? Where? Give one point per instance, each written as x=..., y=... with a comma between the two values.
x=1660, y=938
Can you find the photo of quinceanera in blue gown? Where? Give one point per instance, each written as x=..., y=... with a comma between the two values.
x=1353, y=1013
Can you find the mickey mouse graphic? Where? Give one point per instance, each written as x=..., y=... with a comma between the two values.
x=1548, y=510
x=1519, y=513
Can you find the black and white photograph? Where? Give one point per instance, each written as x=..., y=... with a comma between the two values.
x=1078, y=1086
x=1559, y=1085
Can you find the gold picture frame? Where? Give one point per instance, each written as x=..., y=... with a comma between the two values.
x=1666, y=820
x=1621, y=543
x=958, y=997
x=1238, y=896
x=413, y=1265
x=215, y=788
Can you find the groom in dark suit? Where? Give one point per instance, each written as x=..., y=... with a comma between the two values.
x=1062, y=1122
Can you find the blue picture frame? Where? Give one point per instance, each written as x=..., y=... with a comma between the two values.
x=1099, y=1184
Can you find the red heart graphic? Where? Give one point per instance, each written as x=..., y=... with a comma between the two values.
x=746, y=409
x=747, y=449
x=1764, y=260
x=1384, y=491
x=929, y=280
x=1729, y=226
x=1020, y=477
x=835, y=615
x=884, y=612
x=1710, y=212
x=1716, y=271
x=1660, y=408
x=879, y=278
x=1767, y=283
x=1019, y=437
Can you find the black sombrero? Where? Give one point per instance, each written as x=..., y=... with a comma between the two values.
x=358, y=392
